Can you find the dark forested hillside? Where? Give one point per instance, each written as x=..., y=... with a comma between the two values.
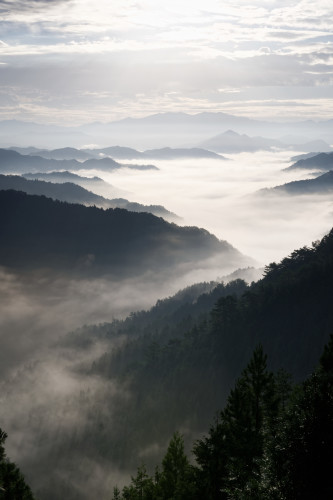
x=67, y=191
x=72, y=193
x=288, y=311
x=39, y=232
x=12, y=483
x=172, y=368
x=188, y=375
x=271, y=441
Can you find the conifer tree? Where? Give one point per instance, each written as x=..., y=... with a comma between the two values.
x=174, y=481
x=230, y=457
x=300, y=460
x=141, y=487
x=12, y=483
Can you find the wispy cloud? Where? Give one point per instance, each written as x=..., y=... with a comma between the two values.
x=154, y=48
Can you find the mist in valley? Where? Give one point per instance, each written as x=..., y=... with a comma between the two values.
x=117, y=328
x=47, y=392
x=221, y=196
x=48, y=389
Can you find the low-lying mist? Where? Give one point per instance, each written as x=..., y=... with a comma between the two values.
x=47, y=390
x=48, y=394
x=217, y=195
x=37, y=309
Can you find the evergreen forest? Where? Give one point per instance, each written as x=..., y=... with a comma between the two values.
x=179, y=370
x=272, y=440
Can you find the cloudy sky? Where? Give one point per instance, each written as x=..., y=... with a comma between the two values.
x=76, y=61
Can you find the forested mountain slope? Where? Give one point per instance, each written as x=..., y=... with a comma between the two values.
x=171, y=369
x=39, y=232
x=289, y=307
x=12, y=482
x=72, y=193
x=189, y=376
x=272, y=440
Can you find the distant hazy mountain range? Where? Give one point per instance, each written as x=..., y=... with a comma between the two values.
x=37, y=232
x=177, y=130
x=72, y=193
x=58, y=154
x=320, y=185
x=302, y=156
x=121, y=153
x=231, y=142
x=322, y=161
x=64, y=176
x=228, y=142
x=14, y=162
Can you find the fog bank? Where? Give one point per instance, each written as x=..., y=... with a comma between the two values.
x=217, y=195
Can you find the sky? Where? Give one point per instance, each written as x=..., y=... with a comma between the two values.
x=77, y=61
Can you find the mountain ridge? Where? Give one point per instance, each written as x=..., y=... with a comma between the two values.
x=172, y=129
x=72, y=193
x=321, y=161
x=13, y=162
x=323, y=184
x=37, y=231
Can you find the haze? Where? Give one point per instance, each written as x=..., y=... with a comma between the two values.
x=72, y=61
x=83, y=74
x=221, y=196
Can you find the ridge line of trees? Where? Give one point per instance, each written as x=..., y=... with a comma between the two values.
x=273, y=440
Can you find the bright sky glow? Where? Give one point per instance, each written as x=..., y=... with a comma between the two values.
x=75, y=61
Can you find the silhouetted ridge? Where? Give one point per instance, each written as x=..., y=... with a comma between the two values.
x=181, y=360
x=322, y=161
x=67, y=191
x=12, y=482
x=61, y=176
x=13, y=162
x=73, y=193
x=38, y=231
x=321, y=184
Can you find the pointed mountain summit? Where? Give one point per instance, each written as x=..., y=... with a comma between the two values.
x=232, y=142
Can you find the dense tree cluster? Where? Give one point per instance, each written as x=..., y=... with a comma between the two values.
x=288, y=312
x=271, y=440
x=182, y=358
x=39, y=232
x=70, y=190
x=12, y=483
x=174, y=365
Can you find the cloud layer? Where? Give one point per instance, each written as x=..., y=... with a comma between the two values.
x=78, y=61
x=222, y=197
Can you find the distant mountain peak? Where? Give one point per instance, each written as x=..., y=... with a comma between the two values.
x=231, y=133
